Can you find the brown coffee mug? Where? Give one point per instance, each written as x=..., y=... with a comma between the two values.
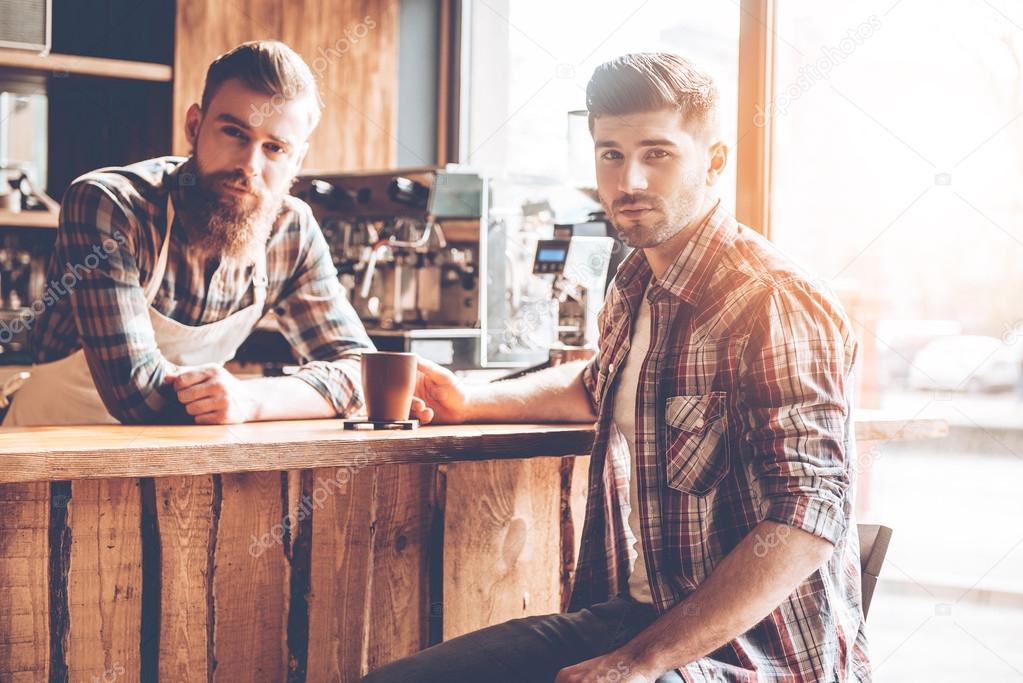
x=388, y=382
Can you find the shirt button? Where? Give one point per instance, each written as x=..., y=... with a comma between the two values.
x=610, y=367
x=699, y=423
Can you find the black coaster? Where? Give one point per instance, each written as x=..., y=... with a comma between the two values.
x=372, y=425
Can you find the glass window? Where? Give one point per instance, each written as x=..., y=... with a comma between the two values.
x=898, y=149
x=531, y=60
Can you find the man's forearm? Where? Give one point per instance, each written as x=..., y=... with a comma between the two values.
x=751, y=581
x=287, y=398
x=551, y=395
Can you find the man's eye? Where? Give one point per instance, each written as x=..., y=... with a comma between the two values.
x=235, y=133
x=657, y=154
x=276, y=149
x=611, y=155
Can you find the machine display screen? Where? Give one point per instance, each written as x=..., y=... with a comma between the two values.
x=551, y=255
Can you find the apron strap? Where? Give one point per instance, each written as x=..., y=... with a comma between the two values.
x=153, y=286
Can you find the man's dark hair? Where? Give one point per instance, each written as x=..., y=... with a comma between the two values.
x=652, y=81
x=266, y=66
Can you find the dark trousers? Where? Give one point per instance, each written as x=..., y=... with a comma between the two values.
x=530, y=650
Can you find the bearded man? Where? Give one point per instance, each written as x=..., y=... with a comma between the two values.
x=162, y=268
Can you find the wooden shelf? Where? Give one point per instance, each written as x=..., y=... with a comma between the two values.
x=28, y=219
x=59, y=65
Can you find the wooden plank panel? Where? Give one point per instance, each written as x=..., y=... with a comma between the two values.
x=352, y=48
x=203, y=30
x=502, y=545
x=104, y=580
x=298, y=540
x=24, y=572
x=340, y=572
x=398, y=624
x=368, y=602
x=250, y=581
x=103, y=451
x=185, y=509
x=574, y=487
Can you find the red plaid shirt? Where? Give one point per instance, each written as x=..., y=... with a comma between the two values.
x=742, y=415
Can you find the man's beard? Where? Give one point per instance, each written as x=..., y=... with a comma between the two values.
x=221, y=224
x=671, y=217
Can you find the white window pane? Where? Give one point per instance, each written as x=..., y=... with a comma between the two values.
x=531, y=59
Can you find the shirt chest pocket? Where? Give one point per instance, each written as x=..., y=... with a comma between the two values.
x=696, y=442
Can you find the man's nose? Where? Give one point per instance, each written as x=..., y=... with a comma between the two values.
x=251, y=162
x=632, y=178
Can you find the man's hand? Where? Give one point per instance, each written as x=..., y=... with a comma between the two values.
x=610, y=667
x=439, y=395
x=212, y=395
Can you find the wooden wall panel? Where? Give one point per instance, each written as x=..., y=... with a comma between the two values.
x=399, y=605
x=105, y=580
x=368, y=600
x=24, y=572
x=250, y=581
x=185, y=510
x=351, y=46
x=340, y=568
x=502, y=542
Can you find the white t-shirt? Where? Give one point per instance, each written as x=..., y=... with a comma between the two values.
x=625, y=418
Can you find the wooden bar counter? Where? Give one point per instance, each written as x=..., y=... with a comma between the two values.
x=288, y=551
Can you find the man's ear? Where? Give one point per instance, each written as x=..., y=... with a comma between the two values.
x=192, y=120
x=718, y=156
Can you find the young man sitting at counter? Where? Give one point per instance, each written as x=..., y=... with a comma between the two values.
x=168, y=264
x=719, y=542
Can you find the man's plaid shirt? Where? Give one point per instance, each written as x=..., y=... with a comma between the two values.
x=743, y=414
x=115, y=219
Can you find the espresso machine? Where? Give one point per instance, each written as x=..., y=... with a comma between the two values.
x=407, y=247
x=440, y=262
x=23, y=289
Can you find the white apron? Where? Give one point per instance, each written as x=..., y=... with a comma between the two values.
x=63, y=393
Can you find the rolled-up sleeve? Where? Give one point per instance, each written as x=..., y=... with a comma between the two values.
x=316, y=318
x=796, y=387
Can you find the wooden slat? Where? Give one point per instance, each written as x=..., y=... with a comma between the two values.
x=100, y=451
x=250, y=581
x=398, y=623
x=24, y=572
x=57, y=65
x=502, y=551
x=352, y=48
x=368, y=597
x=341, y=568
x=77, y=452
x=28, y=219
x=573, y=514
x=756, y=93
x=105, y=580
x=185, y=509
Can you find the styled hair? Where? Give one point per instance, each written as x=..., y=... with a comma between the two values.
x=652, y=81
x=266, y=66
